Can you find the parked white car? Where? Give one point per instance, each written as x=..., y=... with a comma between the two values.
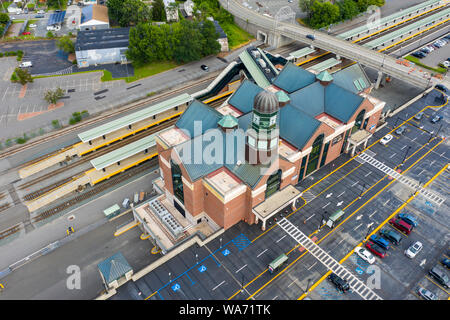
x=386, y=139
x=54, y=28
x=41, y=12
x=32, y=25
x=364, y=254
x=414, y=249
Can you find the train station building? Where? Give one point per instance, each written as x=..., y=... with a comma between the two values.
x=241, y=161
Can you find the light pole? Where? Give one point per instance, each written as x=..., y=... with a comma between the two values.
x=170, y=277
x=406, y=153
x=220, y=240
x=362, y=190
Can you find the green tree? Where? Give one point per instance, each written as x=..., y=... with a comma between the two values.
x=348, y=9
x=210, y=36
x=65, y=43
x=323, y=14
x=158, y=11
x=306, y=6
x=23, y=76
x=52, y=96
x=4, y=18
x=189, y=42
x=134, y=12
x=114, y=9
x=54, y=4
x=50, y=34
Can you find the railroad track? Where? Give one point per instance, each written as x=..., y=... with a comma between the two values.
x=97, y=189
x=36, y=194
x=100, y=152
x=99, y=118
x=4, y=206
x=10, y=231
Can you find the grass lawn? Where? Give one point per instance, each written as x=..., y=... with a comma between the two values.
x=236, y=35
x=143, y=71
x=418, y=63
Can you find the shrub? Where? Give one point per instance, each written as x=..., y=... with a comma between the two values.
x=55, y=124
x=1, y=54
x=72, y=121
x=8, y=142
x=50, y=34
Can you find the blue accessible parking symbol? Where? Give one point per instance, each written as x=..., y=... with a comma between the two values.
x=202, y=268
x=226, y=252
x=359, y=270
x=176, y=287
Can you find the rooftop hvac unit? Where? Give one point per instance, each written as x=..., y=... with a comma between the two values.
x=262, y=63
x=256, y=53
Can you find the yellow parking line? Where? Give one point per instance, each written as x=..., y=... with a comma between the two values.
x=442, y=288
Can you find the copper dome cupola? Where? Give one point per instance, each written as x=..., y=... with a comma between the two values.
x=266, y=102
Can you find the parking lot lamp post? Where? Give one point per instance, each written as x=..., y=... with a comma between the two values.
x=196, y=258
x=362, y=190
x=170, y=277
x=406, y=153
x=220, y=239
x=369, y=229
x=307, y=286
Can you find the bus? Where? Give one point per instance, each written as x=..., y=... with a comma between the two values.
x=334, y=219
x=278, y=262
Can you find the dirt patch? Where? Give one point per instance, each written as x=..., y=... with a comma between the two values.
x=55, y=106
x=23, y=90
x=24, y=116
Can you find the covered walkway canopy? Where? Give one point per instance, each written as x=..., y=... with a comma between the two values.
x=275, y=203
x=134, y=117
x=324, y=65
x=254, y=70
x=301, y=53
x=124, y=152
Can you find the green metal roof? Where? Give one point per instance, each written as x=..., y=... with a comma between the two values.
x=111, y=210
x=324, y=76
x=367, y=27
x=352, y=78
x=407, y=29
x=124, y=152
x=324, y=65
x=302, y=52
x=282, y=96
x=228, y=121
x=293, y=78
x=254, y=70
x=134, y=117
x=114, y=267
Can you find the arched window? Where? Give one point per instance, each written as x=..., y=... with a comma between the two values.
x=177, y=182
x=315, y=154
x=359, y=121
x=273, y=183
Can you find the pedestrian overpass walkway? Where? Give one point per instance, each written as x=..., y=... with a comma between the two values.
x=413, y=184
x=357, y=285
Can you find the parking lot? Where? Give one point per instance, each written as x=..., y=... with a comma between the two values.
x=438, y=55
x=44, y=54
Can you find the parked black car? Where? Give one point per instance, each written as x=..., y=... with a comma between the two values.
x=440, y=276
x=441, y=87
x=340, y=283
x=419, y=54
x=446, y=263
x=310, y=36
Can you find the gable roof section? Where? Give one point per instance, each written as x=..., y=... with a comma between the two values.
x=293, y=78
x=198, y=113
x=352, y=78
x=86, y=14
x=297, y=127
x=341, y=103
x=114, y=267
x=310, y=100
x=94, y=12
x=243, y=98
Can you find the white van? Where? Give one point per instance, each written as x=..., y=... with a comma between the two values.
x=26, y=64
x=54, y=28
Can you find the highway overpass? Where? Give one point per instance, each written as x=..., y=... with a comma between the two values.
x=277, y=33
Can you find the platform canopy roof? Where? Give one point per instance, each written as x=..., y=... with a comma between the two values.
x=132, y=118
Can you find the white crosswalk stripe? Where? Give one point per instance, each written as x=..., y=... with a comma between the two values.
x=330, y=263
x=411, y=183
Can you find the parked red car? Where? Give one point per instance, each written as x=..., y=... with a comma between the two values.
x=401, y=225
x=376, y=249
x=26, y=33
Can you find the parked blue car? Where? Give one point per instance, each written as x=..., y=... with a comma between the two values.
x=380, y=241
x=408, y=218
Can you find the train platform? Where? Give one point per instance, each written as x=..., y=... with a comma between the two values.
x=330, y=65
x=57, y=193
x=51, y=160
x=110, y=165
